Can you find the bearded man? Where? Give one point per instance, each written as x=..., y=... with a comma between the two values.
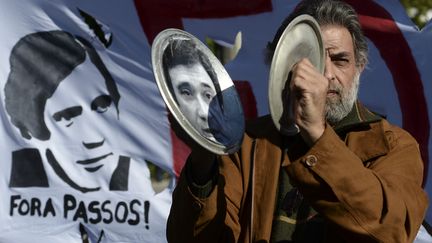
x=348, y=176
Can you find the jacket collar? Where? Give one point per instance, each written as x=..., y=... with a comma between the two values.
x=358, y=116
x=363, y=133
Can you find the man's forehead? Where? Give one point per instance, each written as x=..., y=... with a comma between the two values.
x=80, y=87
x=337, y=38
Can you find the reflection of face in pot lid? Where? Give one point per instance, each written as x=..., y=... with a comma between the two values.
x=198, y=91
x=194, y=90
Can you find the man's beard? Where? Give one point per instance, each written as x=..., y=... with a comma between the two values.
x=338, y=108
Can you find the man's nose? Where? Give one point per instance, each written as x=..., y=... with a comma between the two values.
x=202, y=109
x=329, y=69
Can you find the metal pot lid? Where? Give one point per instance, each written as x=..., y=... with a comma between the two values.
x=301, y=39
x=198, y=91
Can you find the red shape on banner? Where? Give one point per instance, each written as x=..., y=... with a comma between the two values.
x=157, y=15
x=247, y=98
x=180, y=153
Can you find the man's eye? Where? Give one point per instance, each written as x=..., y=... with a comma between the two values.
x=101, y=103
x=65, y=121
x=66, y=116
x=101, y=109
x=341, y=62
x=185, y=92
x=208, y=95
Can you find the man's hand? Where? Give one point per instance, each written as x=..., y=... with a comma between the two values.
x=202, y=165
x=308, y=97
x=202, y=161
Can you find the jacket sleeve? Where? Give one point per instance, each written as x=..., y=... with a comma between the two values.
x=197, y=217
x=377, y=200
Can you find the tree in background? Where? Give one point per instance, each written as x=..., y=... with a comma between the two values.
x=420, y=11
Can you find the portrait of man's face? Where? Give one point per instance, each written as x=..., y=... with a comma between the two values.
x=77, y=104
x=194, y=91
x=69, y=113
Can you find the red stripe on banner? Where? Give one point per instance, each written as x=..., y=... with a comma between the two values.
x=381, y=29
x=180, y=153
x=247, y=98
x=157, y=15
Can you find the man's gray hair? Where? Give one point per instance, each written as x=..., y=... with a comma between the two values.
x=329, y=12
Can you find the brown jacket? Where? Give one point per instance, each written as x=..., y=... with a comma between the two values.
x=367, y=186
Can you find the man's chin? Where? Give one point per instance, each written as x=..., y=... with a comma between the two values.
x=63, y=175
x=334, y=112
x=333, y=99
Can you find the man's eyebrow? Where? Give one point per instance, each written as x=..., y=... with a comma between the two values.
x=68, y=113
x=206, y=85
x=343, y=54
x=183, y=84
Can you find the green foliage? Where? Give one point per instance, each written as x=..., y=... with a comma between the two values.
x=418, y=10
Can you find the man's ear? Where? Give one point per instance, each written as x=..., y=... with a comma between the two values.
x=361, y=67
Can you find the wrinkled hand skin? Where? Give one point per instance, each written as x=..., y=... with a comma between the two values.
x=309, y=92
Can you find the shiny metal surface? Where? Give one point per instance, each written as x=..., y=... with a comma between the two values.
x=301, y=39
x=227, y=117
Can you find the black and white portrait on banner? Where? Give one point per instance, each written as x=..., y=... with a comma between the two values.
x=74, y=166
x=39, y=107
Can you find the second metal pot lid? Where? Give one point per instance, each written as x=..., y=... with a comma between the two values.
x=302, y=38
